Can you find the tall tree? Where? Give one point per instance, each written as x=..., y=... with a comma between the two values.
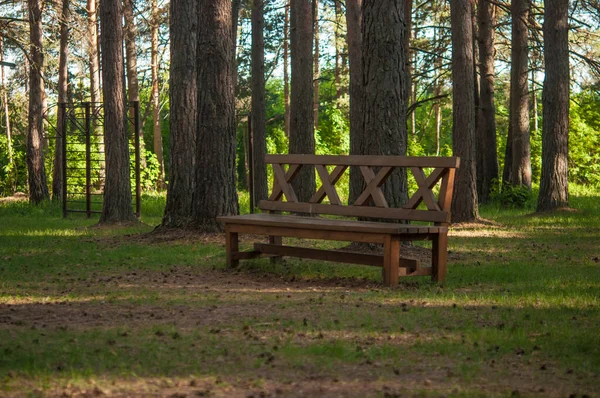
x=183, y=114
x=117, y=188
x=156, y=128
x=38, y=189
x=464, y=204
x=215, y=192
x=259, y=109
x=519, y=95
x=92, y=47
x=57, y=172
x=354, y=38
x=487, y=155
x=286, y=78
x=554, y=187
x=385, y=97
x=133, y=91
x=317, y=70
x=302, y=137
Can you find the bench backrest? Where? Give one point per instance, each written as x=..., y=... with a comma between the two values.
x=371, y=202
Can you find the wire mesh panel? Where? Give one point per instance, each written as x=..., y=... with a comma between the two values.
x=84, y=167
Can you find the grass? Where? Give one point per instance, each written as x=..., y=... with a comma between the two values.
x=88, y=310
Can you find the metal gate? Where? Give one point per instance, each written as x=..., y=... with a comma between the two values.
x=83, y=157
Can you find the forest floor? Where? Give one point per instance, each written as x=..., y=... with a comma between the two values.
x=122, y=312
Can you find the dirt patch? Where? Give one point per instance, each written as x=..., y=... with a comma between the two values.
x=17, y=197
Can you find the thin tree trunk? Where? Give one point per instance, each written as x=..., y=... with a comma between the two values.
x=534, y=102
x=215, y=193
x=519, y=96
x=338, y=49
x=117, y=188
x=554, y=184
x=259, y=108
x=302, y=137
x=156, y=129
x=12, y=166
x=38, y=189
x=487, y=166
x=464, y=204
x=354, y=38
x=408, y=4
x=133, y=92
x=92, y=42
x=183, y=124
x=385, y=98
x=317, y=71
x=286, y=77
x=57, y=176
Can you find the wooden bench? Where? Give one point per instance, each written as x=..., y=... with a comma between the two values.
x=370, y=204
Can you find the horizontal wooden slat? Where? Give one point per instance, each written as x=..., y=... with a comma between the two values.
x=366, y=160
x=326, y=224
x=331, y=255
x=358, y=211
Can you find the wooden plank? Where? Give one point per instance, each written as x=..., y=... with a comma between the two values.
x=326, y=186
x=231, y=247
x=331, y=255
x=334, y=177
x=358, y=211
x=447, y=190
x=366, y=160
x=283, y=183
x=425, y=185
x=373, y=190
x=439, y=257
x=329, y=224
x=289, y=176
x=391, y=260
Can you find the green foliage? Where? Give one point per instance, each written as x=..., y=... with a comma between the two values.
x=511, y=196
x=149, y=175
x=333, y=136
x=584, y=139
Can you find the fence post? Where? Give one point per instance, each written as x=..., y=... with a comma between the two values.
x=138, y=183
x=250, y=163
x=88, y=161
x=62, y=125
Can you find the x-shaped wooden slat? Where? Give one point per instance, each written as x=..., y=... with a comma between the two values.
x=281, y=185
x=425, y=184
x=328, y=184
x=374, y=182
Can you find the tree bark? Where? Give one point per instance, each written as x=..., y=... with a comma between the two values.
x=302, y=137
x=57, y=172
x=117, y=188
x=38, y=189
x=156, y=128
x=93, y=59
x=286, y=78
x=519, y=96
x=354, y=38
x=133, y=92
x=554, y=184
x=464, y=204
x=259, y=109
x=487, y=155
x=215, y=192
x=408, y=5
x=385, y=97
x=338, y=49
x=183, y=124
x=317, y=71
x=13, y=169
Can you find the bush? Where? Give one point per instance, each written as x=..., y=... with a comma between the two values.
x=511, y=196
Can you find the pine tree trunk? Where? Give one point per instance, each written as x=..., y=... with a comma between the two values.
x=57, y=172
x=133, y=92
x=519, y=96
x=302, y=137
x=286, y=77
x=183, y=114
x=554, y=184
x=13, y=169
x=92, y=42
x=385, y=98
x=317, y=71
x=464, y=204
x=215, y=192
x=38, y=189
x=408, y=4
x=156, y=128
x=354, y=38
x=259, y=109
x=117, y=188
x=487, y=165
x=338, y=50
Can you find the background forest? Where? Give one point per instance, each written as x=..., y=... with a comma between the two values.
x=430, y=106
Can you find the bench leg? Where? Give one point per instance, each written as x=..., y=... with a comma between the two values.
x=391, y=261
x=275, y=240
x=439, y=257
x=231, y=246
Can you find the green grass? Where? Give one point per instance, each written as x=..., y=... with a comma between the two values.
x=85, y=308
